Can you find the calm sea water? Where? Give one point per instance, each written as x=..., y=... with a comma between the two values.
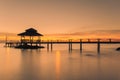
x=60, y=64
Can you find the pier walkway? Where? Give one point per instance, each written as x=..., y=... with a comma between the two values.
x=50, y=43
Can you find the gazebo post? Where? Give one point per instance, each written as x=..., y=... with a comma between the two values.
x=22, y=38
x=30, y=40
x=38, y=38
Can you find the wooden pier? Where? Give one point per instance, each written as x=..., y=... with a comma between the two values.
x=70, y=42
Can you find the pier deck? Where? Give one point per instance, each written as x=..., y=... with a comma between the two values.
x=50, y=43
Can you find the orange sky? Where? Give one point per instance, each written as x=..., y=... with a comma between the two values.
x=102, y=34
x=59, y=16
x=64, y=19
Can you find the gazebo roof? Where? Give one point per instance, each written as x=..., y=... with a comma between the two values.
x=30, y=32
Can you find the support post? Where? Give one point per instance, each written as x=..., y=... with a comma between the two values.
x=48, y=45
x=6, y=38
x=39, y=40
x=51, y=45
x=81, y=45
x=98, y=46
x=70, y=45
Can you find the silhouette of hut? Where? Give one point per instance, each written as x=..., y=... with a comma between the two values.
x=31, y=32
x=24, y=44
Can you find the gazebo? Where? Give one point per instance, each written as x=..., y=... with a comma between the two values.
x=31, y=33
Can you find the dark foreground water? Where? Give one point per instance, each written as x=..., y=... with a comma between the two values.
x=60, y=64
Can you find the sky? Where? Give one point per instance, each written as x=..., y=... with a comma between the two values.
x=59, y=16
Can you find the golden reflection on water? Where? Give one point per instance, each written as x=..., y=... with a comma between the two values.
x=10, y=64
x=58, y=65
x=7, y=56
x=7, y=63
x=18, y=64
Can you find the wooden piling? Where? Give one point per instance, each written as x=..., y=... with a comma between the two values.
x=98, y=46
x=70, y=45
x=51, y=45
x=80, y=44
x=48, y=45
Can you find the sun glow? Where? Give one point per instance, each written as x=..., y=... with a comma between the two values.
x=63, y=37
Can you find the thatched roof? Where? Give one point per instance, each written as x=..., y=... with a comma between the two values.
x=30, y=32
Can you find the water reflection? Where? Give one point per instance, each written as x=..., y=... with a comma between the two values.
x=7, y=59
x=29, y=64
x=9, y=65
x=17, y=64
x=58, y=65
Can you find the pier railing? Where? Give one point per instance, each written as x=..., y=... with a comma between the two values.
x=69, y=40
